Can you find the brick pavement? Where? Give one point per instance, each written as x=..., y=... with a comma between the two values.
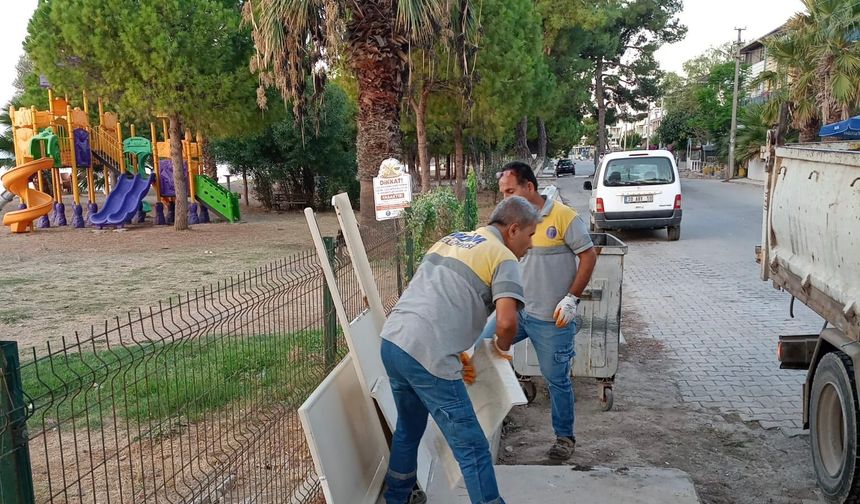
x=721, y=324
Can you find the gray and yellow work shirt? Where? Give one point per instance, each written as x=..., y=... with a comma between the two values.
x=550, y=266
x=446, y=305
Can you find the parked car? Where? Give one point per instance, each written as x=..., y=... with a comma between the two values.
x=564, y=165
x=636, y=190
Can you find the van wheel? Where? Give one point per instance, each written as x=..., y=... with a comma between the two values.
x=592, y=228
x=674, y=233
x=833, y=429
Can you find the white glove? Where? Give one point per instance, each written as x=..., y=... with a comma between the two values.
x=565, y=310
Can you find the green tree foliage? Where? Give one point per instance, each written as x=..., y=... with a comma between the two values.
x=675, y=129
x=752, y=132
x=621, y=49
x=818, y=66
x=182, y=58
x=28, y=89
x=7, y=146
x=433, y=214
x=634, y=141
x=512, y=73
x=280, y=159
x=699, y=107
x=298, y=41
x=470, y=204
x=28, y=93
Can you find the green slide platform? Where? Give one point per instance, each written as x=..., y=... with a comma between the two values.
x=219, y=200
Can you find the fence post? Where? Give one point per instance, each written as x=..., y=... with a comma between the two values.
x=398, y=262
x=410, y=256
x=16, y=479
x=329, y=314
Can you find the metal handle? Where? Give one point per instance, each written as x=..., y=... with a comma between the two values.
x=592, y=295
x=855, y=181
x=813, y=172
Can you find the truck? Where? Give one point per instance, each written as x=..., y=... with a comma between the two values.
x=811, y=249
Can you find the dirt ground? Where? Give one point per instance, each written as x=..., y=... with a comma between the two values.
x=60, y=280
x=730, y=461
x=56, y=281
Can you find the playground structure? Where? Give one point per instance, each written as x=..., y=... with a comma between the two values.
x=62, y=138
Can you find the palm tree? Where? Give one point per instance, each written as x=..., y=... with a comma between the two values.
x=752, y=132
x=299, y=41
x=7, y=145
x=818, y=65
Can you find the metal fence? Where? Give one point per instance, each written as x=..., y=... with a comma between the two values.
x=190, y=401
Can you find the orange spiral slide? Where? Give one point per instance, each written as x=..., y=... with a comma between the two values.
x=38, y=203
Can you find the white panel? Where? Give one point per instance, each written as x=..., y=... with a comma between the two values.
x=346, y=441
x=493, y=394
x=495, y=391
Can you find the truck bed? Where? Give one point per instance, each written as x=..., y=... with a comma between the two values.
x=811, y=231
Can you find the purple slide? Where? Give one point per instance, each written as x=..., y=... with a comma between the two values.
x=165, y=169
x=124, y=201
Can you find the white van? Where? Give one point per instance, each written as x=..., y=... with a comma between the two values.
x=636, y=190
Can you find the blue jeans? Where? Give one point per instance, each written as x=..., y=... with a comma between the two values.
x=417, y=393
x=554, y=348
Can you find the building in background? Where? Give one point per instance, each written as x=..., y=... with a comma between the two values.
x=755, y=55
x=645, y=128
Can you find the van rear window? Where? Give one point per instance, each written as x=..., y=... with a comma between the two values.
x=638, y=171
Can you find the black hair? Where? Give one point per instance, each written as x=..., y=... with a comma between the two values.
x=522, y=171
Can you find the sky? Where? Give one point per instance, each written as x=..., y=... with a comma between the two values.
x=712, y=23
x=16, y=15
x=709, y=24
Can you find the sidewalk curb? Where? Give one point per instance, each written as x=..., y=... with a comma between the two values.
x=746, y=181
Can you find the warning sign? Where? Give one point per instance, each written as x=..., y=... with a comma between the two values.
x=392, y=190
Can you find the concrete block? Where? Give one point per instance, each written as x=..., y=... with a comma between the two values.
x=583, y=485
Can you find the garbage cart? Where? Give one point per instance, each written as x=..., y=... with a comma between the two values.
x=598, y=324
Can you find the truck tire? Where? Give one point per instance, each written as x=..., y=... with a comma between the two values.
x=673, y=233
x=833, y=416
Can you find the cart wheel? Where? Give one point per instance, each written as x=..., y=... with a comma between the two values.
x=606, y=402
x=529, y=389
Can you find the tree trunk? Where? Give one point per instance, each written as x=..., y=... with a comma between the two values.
x=542, y=141
x=601, y=111
x=420, y=110
x=459, y=161
x=477, y=159
x=438, y=167
x=522, y=148
x=245, y=187
x=210, y=168
x=378, y=57
x=180, y=175
x=448, y=168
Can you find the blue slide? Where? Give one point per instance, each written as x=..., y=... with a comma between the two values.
x=124, y=201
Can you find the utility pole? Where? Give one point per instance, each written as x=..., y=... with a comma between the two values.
x=730, y=170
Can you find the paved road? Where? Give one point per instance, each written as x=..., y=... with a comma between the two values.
x=703, y=298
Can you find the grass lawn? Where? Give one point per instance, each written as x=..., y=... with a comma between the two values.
x=176, y=380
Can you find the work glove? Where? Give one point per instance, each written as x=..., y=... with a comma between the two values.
x=468, y=368
x=565, y=310
x=498, y=352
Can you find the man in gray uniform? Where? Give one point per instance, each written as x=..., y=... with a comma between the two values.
x=553, y=284
x=440, y=315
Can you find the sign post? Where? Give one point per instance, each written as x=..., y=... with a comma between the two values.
x=392, y=190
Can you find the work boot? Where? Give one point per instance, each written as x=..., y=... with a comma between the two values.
x=418, y=497
x=562, y=449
